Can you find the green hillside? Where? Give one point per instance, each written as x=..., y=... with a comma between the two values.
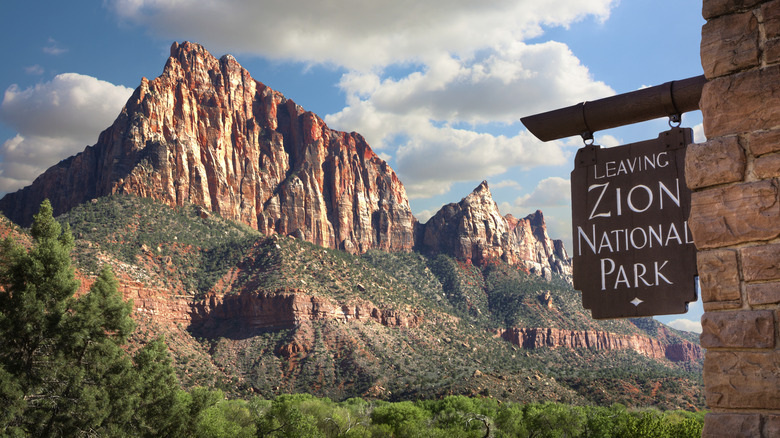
x=453, y=349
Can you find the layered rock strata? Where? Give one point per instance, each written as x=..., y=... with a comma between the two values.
x=204, y=132
x=473, y=229
x=289, y=308
x=531, y=338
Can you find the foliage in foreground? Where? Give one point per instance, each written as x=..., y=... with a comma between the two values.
x=63, y=368
x=303, y=415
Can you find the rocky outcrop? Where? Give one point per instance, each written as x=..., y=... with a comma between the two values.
x=258, y=310
x=531, y=338
x=534, y=248
x=204, y=132
x=474, y=230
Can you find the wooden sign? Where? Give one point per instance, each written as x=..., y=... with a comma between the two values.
x=633, y=254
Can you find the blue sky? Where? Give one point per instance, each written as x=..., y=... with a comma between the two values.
x=437, y=87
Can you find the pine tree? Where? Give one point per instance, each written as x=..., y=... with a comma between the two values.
x=63, y=370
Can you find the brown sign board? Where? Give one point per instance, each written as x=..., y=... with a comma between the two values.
x=633, y=254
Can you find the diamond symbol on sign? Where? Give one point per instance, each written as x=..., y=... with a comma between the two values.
x=636, y=301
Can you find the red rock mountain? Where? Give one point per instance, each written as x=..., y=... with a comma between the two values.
x=205, y=132
x=473, y=229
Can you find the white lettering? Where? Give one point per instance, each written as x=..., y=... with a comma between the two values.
x=605, y=273
x=662, y=189
x=630, y=201
x=591, y=242
x=672, y=234
x=622, y=278
x=644, y=238
x=605, y=243
x=598, y=201
x=638, y=276
x=658, y=160
x=658, y=272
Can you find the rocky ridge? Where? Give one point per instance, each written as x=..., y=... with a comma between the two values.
x=473, y=229
x=532, y=338
x=205, y=132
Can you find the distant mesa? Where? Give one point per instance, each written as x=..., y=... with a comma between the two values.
x=205, y=132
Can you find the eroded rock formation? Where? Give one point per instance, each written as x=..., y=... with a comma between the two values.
x=205, y=132
x=256, y=310
x=531, y=338
x=474, y=229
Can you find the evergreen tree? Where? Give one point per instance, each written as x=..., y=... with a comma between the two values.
x=63, y=370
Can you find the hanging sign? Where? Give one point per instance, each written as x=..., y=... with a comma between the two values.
x=633, y=254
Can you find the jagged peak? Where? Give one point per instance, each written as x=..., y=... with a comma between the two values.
x=482, y=188
x=536, y=218
x=187, y=48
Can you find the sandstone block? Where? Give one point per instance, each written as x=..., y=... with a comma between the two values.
x=716, y=8
x=763, y=293
x=718, y=275
x=764, y=142
x=772, y=51
x=740, y=102
x=767, y=167
x=731, y=425
x=738, y=329
x=770, y=13
x=742, y=379
x=729, y=43
x=717, y=306
x=761, y=262
x=718, y=161
x=771, y=426
x=739, y=213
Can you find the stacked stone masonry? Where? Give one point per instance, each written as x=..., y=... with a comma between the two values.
x=735, y=216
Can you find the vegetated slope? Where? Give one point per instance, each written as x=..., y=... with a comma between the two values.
x=270, y=315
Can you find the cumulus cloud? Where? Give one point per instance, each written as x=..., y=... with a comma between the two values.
x=54, y=120
x=550, y=192
x=435, y=158
x=686, y=325
x=502, y=86
x=505, y=183
x=355, y=34
x=462, y=67
x=435, y=116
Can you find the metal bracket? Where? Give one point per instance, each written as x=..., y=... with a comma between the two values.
x=586, y=156
x=677, y=138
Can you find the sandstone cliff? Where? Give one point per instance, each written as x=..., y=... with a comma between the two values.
x=205, y=132
x=531, y=338
x=473, y=229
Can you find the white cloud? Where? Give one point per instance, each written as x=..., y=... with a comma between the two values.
x=550, y=192
x=502, y=86
x=424, y=215
x=356, y=34
x=698, y=134
x=505, y=183
x=53, y=48
x=423, y=114
x=608, y=141
x=434, y=158
x=463, y=68
x=686, y=325
x=53, y=121
x=36, y=70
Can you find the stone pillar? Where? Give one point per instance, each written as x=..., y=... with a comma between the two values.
x=735, y=216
